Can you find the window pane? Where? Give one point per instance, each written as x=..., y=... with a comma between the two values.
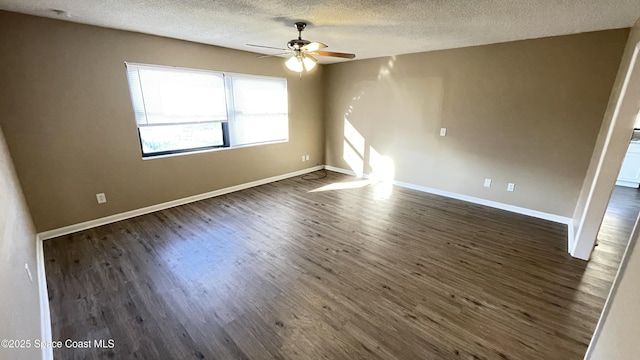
x=251, y=129
x=260, y=110
x=167, y=138
x=179, y=109
x=173, y=96
x=253, y=95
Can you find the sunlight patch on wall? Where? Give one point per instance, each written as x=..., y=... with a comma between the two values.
x=353, y=148
x=353, y=159
x=354, y=137
x=382, y=167
x=386, y=70
x=382, y=172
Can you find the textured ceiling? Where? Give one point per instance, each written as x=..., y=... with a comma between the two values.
x=367, y=28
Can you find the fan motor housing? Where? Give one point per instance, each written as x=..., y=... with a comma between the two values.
x=296, y=44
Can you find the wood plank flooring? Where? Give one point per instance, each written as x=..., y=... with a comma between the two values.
x=359, y=271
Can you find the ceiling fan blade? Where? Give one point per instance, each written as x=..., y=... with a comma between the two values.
x=307, y=55
x=264, y=56
x=314, y=46
x=266, y=47
x=334, y=54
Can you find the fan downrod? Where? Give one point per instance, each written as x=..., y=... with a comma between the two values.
x=297, y=44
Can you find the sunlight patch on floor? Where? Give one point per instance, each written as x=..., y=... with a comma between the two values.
x=343, y=185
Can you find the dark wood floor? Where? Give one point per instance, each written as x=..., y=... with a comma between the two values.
x=363, y=272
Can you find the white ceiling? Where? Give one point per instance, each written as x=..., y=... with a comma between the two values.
x=367, y=28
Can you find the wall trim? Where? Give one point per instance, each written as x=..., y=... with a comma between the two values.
x=630, y=184
x=571, y=239
x=494, y=204
x=599, y=188
x=340, y=170
x=50, y=234
x=489, y=203
x=45, y=314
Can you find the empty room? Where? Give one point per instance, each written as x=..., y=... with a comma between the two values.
x=319, y=180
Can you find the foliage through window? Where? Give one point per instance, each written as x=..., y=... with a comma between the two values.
x=183, y=110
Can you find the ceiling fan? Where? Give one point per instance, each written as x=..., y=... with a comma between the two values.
x=303, y=51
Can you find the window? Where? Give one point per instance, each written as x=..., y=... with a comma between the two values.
x=184, y=110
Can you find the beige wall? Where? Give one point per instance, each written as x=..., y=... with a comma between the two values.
x=67, y=117
x=526, y=112
x=19, y=299
x=611, y=146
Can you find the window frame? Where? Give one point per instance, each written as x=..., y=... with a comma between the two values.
x=227, y=125
x=164, y=153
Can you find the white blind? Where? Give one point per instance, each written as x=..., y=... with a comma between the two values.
x=260, y=107
x=162, y=95
x=255, y=95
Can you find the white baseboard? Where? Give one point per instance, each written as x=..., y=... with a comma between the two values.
x=471, y=199
x=149, y=209
x=489, y=203
x=627, y=183
x=50, y=234
x=341, y=170
x=479, y=201
x=45, y=315
x=571, y=239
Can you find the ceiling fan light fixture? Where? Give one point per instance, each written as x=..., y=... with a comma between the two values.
x=295, y=64
x=304, y=51
x=308, y=63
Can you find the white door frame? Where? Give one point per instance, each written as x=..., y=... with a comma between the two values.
x=608, y=164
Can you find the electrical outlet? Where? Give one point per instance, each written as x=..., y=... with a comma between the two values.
x=487, y=182
x=306, y=158
x=302, y=157
x=101, y=198
x=443, y=131
x=511, y=187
